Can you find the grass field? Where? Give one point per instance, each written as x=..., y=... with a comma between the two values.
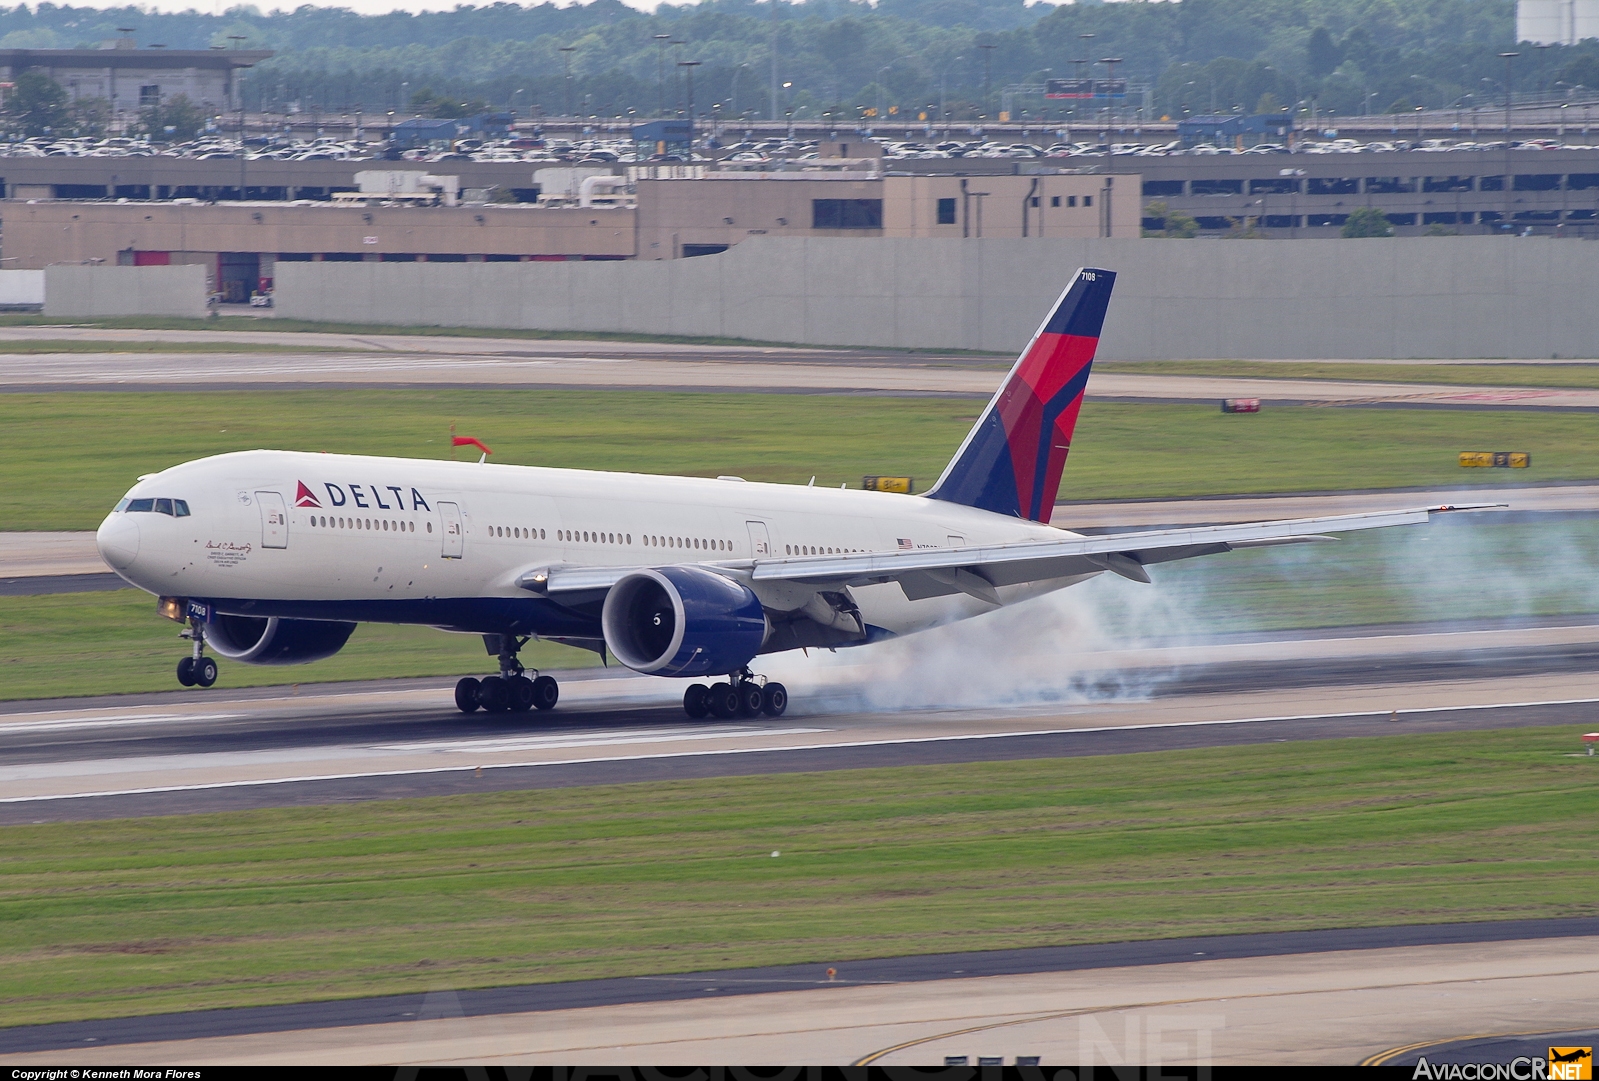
x=151, y=915
x=1494, y=375
x=66, y=458
x=118, y=644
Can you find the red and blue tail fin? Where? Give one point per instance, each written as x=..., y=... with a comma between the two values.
x=1012, y=459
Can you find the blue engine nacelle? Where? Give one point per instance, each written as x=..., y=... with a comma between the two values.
x=682, y=621
x=270, y=640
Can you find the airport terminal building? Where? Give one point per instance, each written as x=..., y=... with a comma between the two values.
x=242, y=242
x=168, y=211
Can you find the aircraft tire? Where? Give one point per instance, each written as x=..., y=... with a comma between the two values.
x=521, y=695
x=694, y=703
x=722, y=701
x=205, y=671
x=750, y=698
x=546, y=692
x=492, y=694
x=774, y=699
x=466, y=695
x=186, y=671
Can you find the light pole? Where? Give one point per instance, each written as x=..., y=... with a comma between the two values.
x=882, y=91
x=1077, y=73
x=690, y=65
x=677, y=76
x=733, y=105
x=660, y=70
x=774, y=63
x=236, y=38
x=1509, y=59
x=566, y=76
x=943, y=104
x=988, y=75
x=1419, y=108
x=1110, y=63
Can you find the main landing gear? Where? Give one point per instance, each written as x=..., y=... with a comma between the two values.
x=744, y=695
x=196, y=670
x=511, y=690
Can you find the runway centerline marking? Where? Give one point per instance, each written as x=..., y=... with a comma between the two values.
x=842, y=745
x=113, y=722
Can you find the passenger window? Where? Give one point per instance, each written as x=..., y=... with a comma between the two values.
x=163, y=506
x=180, y=508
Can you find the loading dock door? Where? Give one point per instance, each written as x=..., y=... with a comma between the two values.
x=454, y=536
x=274, y=520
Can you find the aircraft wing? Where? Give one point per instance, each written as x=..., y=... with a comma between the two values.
x=977, y=569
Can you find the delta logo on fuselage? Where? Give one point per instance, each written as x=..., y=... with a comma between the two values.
x=357, y=495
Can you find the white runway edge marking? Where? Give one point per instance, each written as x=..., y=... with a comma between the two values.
x=806, y=747
x=112, y=722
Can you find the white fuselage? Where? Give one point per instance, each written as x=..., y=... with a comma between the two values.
x=362, y=535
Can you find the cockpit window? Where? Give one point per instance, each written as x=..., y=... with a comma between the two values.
x=177, y=508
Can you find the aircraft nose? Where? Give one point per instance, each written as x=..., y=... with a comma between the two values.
x=118, y=540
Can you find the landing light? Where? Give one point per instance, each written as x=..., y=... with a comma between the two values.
x=174, y=608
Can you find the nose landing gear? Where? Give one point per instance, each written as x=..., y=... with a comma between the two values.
x=511, y=690
x=196, y=670
x=745, y=695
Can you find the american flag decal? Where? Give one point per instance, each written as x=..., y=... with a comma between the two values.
x=905, y=542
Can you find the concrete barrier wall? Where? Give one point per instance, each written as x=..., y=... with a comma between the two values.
x=83, y=291
x=21, y=288
x=1405, y=297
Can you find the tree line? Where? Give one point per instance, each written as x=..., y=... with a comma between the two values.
x=956, y=59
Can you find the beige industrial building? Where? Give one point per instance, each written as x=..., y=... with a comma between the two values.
x=698, y=217
x=241, y=243
x=130, y=79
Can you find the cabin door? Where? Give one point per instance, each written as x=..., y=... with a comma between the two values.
x=274, y=520
x=760, y=540
x=454, y=536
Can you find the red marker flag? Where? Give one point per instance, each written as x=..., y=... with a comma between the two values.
x=468, y=441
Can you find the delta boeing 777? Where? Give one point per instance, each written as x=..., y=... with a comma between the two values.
x=273, y=557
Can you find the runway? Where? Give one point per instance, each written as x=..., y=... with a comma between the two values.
x=187, y=752
x=1319, y=997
